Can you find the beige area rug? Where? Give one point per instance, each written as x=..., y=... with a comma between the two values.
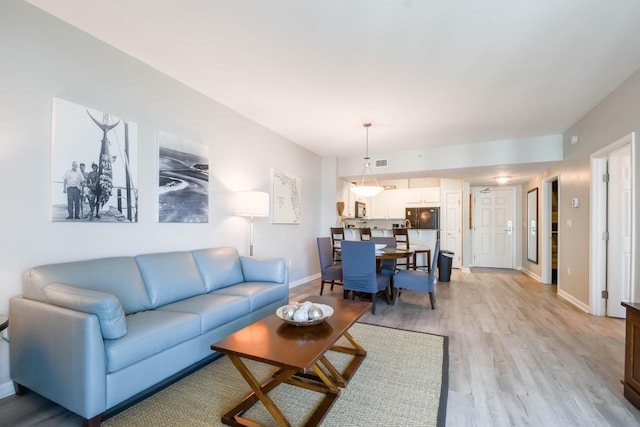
x=403, y=381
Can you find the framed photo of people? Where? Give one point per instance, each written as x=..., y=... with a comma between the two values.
x=93, y=166
x=183, y=180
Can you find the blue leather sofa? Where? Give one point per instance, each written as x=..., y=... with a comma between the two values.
x=90, y=335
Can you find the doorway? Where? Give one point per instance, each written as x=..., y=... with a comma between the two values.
x=493, y=227
x=611, y=229
x=549, y=230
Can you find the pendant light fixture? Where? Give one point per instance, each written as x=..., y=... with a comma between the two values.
x=367, y=190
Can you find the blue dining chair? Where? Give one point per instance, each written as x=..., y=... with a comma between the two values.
x=418, y=280
x=388, y=265
x=359, y=271
x=330, y=270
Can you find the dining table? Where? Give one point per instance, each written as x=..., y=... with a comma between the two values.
x=393, y=253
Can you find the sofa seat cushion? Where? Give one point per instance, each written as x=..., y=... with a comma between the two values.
x=258, y=293
x=149, y=333
x=214, y=310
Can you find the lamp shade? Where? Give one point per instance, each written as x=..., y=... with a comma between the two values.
x=367, y=190
x=252, y=203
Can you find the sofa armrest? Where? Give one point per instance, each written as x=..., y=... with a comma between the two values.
x=106, y=306
x=58, y=353
x=264, y=270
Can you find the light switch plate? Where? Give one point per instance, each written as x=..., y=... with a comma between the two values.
x=575, y=202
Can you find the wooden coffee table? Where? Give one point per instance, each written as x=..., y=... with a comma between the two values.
x=299, y=353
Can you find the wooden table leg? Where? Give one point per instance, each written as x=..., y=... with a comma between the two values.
x=341, y=379
x=260, y=393
x=233, y=417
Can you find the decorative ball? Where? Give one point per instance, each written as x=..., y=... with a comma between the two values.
x=301, y=315
x=287, y=312
x=315, y=312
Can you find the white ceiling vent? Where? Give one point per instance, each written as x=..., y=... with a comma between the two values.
x=381, y=163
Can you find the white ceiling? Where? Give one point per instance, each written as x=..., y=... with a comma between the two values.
x=424, y=72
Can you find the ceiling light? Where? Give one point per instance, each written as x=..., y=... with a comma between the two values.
x=367, y=190
x=502, y=179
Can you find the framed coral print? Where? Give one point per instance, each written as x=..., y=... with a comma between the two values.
x=286, y=201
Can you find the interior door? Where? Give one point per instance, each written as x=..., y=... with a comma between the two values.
x=493, y=227
x=619, y=229
x=453, y=226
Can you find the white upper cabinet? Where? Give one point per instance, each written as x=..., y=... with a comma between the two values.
x=390, y=204
x=396, y=202
x=377, y=209
x=423, y=196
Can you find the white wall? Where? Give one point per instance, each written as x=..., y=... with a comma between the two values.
x=43, y=58
x=504, y=152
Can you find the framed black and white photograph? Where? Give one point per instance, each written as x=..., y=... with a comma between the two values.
x=286, y=200
x=93, y=165
x=183, y=180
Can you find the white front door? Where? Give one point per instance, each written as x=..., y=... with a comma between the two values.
x=619, y=229
x=453, y=226
x=493, y=227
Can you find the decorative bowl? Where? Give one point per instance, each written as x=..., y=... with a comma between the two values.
x=380, y=246
x=327, y=311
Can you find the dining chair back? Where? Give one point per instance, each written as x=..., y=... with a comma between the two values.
x=402, y=241
x=365, y=234
x=402, y=237
x=418, y=280
x=337, y=236
x=330, y=270
x=359, y=271
x=388, y=265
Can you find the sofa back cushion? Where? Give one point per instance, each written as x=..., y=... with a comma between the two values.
x=118, y=276
x=219, y=267
x=264, y=270
x=170, y=276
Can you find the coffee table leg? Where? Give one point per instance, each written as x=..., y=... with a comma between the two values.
x=327, y=387
x=358, y=352
x=340, y=378
x=259, y=393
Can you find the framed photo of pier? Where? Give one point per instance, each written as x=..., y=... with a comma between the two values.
x=286, y=200
x=93, y=165
x=183, y=180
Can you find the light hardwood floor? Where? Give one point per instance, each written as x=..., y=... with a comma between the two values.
x=518, y=354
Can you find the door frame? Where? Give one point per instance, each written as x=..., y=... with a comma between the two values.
x=517, y=216
x=598, y=224
x=546, y=266
x=457, y=260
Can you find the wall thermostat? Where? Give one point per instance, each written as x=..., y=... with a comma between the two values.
x=575, y=202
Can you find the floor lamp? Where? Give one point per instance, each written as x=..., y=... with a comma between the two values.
x=253, y=204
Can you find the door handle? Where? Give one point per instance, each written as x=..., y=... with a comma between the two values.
x=509, y=227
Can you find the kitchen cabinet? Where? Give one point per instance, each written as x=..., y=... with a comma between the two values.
x=390, y=204
x=377, y=208
x=423, y=196
x=350, y=199
x=396, y=202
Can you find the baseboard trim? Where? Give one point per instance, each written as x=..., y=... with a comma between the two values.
x=582, y=306
x=304, y=280
x=532, y=275
x=6, y=389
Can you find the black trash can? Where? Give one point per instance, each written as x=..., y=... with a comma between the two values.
x=445, y=261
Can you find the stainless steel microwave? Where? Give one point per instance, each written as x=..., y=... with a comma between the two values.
x=361, y=210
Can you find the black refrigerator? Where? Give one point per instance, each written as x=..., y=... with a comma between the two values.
x=423, y=218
